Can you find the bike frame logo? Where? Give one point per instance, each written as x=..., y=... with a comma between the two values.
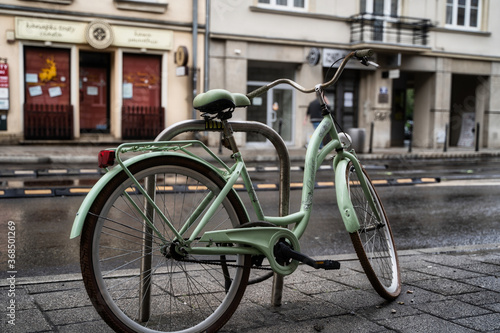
x=99, y=34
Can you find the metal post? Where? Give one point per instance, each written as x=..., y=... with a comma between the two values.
x=371, y=138
x=195, y=52
x=284, y=159
x=410, y=143
x=477, y=136
x=445, y=138
x=147, y=242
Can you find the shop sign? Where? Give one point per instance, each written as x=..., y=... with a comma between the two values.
x=143, y=38
x=4, y=86
x=50, y=30
x=98, y=34
x=330, y=56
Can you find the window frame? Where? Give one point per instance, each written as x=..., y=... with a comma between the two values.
x=370, y=8
x=289, y=6
x=454, y=16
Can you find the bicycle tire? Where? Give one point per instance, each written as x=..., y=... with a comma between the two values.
x=374, y=242
x=187, y=296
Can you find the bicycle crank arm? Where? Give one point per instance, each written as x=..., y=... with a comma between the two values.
x=254, y=239
x=284, y=253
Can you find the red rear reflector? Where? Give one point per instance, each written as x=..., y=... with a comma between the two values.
x=106, y=158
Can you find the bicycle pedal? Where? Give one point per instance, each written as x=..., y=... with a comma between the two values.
x=327, y=264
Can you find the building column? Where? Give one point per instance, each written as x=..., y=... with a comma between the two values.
x=431, y=111
x=491, y=127
x=228, y=70
x=375, y=106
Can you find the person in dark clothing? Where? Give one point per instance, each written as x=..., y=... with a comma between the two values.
x=314, y=114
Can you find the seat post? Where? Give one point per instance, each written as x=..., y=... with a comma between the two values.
x=229, y=137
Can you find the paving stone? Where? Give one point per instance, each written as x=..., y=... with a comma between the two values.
x=23, y=300
x=451, y=309
x=94, y=326
x=486, y=282
x=484, y=297
x=448, y=272
x=489, y=322
x=317, y=287
x=446, y=286
x=27, y=321
x=62, y=299
x=56, y=286
x=353, y=300
x=424, y=323
x=73, y=316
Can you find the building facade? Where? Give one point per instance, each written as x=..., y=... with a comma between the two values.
x=98, y=70
x=71, y=72
x=440, y=66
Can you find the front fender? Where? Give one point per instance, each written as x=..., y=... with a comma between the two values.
x=343, y=198
x=97, y=188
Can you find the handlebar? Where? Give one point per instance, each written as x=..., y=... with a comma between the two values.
x=361, y=55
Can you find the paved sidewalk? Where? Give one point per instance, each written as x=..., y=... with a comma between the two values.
x=444, y=290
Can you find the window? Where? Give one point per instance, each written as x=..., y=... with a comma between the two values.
x=381, y=11
x=154, y=6
x=284, y=4
x=379, y=7
x=59, y=2
x=463, y=14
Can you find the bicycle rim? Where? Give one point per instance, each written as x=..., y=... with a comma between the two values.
x=173, y=293
x=373, y=242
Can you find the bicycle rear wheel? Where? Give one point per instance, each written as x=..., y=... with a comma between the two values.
x=373, y=242
x=134, y=277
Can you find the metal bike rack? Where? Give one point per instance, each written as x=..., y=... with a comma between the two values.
x=284, y=190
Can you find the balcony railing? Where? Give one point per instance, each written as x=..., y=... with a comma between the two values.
x=400, y=30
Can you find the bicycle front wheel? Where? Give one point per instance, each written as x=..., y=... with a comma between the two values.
x=135, y=277
x=373, y=242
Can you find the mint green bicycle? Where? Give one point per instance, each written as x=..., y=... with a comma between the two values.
x=168, y=246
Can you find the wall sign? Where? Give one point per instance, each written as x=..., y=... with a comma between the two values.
x=143, y=38
x=50, y=30
x=330, y=56
x=4, y=86
x=181, y=56
x=99, y=34
x=313, y=56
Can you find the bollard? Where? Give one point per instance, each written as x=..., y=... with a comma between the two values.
x=477, y=136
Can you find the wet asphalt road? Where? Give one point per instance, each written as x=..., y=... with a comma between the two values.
x=462, y=209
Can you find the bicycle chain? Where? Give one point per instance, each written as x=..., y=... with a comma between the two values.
x=245, y=225
x=215, y=263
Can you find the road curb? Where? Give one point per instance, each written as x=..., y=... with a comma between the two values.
x=79, y=191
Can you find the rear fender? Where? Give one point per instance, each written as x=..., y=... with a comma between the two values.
x=97, y=188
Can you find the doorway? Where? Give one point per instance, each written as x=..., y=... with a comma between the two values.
x=275, y=108
x=94, y=92
x=463, y=109
x=402, y=110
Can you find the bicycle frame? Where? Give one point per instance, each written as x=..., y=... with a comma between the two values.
x=258, y=240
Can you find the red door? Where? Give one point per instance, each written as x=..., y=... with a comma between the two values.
x=142, y=114
x=93, y=99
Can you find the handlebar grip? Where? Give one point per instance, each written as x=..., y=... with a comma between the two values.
x=363, y=53
x=257, y=92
